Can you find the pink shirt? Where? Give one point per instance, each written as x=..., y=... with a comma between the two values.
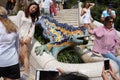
x=106, y=40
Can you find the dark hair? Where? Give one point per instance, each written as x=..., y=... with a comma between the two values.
x=34, y=15
x=73, y=76
x=107, y=19
x=86, y=3
x=110, y=6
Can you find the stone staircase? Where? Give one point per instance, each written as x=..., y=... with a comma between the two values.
x=69, y=16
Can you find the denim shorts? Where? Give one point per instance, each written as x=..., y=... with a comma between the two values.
x=12, y=72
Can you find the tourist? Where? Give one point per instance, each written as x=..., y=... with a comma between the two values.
x=25, y=20
x=86, y=15
x=78, y=76
x=46, y=7
x=10, y=5
x=72, y=76
x=9, y=48
x=53, y=11
x=108, y=12
x=106, y=40
x=58, y=4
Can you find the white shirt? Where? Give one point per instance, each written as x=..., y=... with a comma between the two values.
x=105, y=13
x=9, y=43
x=47, y=4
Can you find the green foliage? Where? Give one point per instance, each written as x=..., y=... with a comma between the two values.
x=69, y=55
x=117, y=20
x=96, y=11
x=38, y=35
x=71, y=3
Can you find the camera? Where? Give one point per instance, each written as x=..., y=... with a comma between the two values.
x=107, y=64
x=46, y=74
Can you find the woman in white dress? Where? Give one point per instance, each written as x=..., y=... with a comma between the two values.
x=25, y=22
x=86, y=15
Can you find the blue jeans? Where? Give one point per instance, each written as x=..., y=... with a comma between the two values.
x=113, y=57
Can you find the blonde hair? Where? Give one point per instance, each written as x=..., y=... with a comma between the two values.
x=9, y=25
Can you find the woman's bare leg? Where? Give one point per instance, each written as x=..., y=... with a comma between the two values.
x=25, y=58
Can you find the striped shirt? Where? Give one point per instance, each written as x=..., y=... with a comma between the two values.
x=106, y=40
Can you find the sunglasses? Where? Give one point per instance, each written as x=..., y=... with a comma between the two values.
x=110, y=21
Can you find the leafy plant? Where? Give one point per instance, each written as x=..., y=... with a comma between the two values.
x=69, y=55
x=38, y=35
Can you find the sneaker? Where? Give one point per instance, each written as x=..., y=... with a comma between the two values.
x=24, y=76
x=21, y=66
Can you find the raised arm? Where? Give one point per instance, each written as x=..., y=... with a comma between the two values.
x=91, y=5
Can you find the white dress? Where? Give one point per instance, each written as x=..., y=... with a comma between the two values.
x=25, y=25
x=86, y=17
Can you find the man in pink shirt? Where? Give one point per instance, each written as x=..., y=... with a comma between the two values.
x=107, y=41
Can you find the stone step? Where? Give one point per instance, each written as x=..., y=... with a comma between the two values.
x=63, y=19
x=69, y=16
